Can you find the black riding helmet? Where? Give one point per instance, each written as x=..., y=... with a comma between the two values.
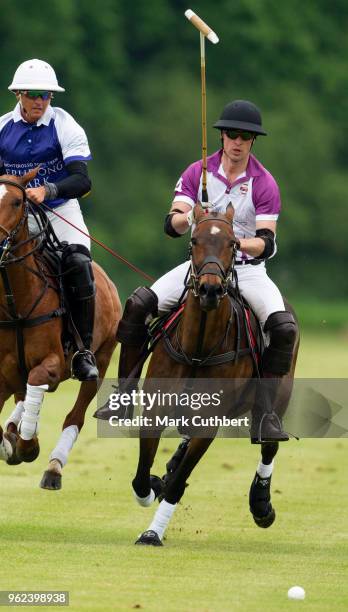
x=241, y=115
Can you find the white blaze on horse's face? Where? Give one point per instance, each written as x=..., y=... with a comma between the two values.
x=215, y=230
x=3, y=191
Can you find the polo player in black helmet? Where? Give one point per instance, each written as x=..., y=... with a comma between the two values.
x=233, y=175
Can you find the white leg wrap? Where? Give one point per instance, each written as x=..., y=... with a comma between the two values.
x=29, y=423
x=5, y=450
x=162, y=517
x=145, y=501
x=265, y=471
x=15, y=415
x=66, y=441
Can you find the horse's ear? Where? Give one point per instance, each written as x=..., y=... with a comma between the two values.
x=230, y=212
x=198, y=212
x=26, y=178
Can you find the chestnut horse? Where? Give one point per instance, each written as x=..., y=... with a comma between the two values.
x=32, y=358
x=209, y=343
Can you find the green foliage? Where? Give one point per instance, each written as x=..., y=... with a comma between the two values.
x=132, y=78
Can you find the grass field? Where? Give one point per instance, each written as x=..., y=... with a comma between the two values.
x=215, y=559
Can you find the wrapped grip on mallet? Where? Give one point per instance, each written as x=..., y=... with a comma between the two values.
x=201, y=26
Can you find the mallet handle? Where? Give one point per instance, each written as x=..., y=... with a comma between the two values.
x=201, y=26
x=205, y=197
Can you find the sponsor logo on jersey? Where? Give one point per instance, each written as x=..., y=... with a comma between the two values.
x=243, y=188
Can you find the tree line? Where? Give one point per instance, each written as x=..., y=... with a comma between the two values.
x=132, y=78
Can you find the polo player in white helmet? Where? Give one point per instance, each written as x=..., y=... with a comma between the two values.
x=36, y=134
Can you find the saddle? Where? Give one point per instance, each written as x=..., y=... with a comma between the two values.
x=51, y=262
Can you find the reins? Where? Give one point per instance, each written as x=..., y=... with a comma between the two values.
x=101, y=244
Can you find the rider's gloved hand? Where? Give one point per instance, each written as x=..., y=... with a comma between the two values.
x=36, y=194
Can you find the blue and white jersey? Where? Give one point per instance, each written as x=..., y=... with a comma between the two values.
x=52, y=142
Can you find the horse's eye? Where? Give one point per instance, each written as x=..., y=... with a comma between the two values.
x=17, y=203
x=193, y=241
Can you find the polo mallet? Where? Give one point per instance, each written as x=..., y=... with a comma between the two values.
x=204, y=31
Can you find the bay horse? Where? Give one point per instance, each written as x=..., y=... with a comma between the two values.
x=209, y=325
x=32, y=359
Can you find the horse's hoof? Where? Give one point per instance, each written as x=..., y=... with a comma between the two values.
x=27, y=450
x=149, y=538
x=157, y=485
x=51, y=481
x=104, y=413
x=12, y=438
x=265, y=521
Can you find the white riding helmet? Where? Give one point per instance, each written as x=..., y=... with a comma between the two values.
x=35, y=74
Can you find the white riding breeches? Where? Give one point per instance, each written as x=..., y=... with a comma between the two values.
x=65, y=232
x=255, y=286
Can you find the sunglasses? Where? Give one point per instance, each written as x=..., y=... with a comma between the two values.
x=33, y=93
x=233, y=134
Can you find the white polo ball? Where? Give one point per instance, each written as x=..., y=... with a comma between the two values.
x=296, y=592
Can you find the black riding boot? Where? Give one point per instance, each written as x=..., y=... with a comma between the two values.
x=79, y=287
x=132, y=332
x=266, y=425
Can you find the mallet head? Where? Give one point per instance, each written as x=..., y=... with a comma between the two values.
x=201, y=26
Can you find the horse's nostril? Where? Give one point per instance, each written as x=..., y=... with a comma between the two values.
x=203, y=290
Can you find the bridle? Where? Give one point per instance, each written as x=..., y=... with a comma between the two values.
x=11, y=234
x=7, y=246
x=196, y=273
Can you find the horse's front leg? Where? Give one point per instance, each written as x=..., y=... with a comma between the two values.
x=260, y=490
x=8, y=437
x=7, y=447
x=173, y=492
x=145, y=487
x=40, y=378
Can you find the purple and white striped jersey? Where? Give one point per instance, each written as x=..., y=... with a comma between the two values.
x=53, y=141
x=254, y=195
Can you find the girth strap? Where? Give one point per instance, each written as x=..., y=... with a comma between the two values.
x=204, y=361
x=20, y=322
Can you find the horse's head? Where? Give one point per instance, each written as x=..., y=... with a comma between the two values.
x=13, y=204
x=213, y=249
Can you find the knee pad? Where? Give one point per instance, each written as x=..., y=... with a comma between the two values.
x=78, y=275
x=132, y=329
x=277, y=357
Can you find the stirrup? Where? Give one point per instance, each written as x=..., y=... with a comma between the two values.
x=271, y=431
